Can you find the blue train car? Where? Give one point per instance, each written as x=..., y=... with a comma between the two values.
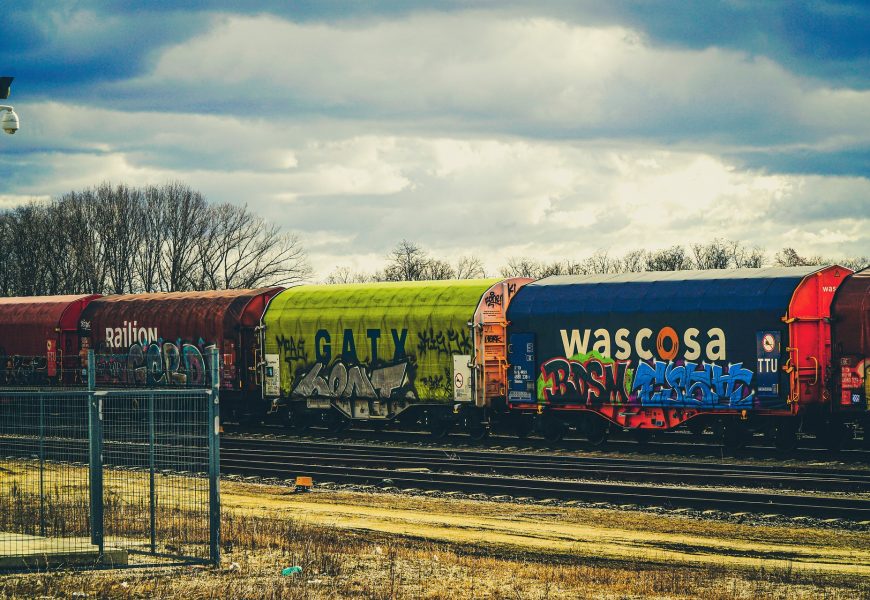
x=744, y=349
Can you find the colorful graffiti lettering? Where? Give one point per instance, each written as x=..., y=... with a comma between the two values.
x=448, y=343
x=345, y=381
x=661, y=383
x=590, y=378
x=595, y=379
x=156, y=363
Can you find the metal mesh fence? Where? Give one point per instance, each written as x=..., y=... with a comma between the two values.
x=44, y=492
x=156, y=486
x=120, y=476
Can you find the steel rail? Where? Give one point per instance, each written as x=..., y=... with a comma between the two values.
x=669, y=443
x=317, y=453
x=588, y=491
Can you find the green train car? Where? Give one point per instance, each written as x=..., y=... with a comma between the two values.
x=415, y=352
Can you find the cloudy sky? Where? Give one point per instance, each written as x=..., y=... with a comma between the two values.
x=500, y=129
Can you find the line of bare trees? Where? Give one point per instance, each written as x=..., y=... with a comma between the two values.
x=408, y=261
x=120, y=239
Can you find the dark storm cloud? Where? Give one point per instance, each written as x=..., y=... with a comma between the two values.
x=62, y=50
x=827, y=39
x=804, y=162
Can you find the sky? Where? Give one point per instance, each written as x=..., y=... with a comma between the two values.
x=549, y=130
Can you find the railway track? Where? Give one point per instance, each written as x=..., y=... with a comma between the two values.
x=644, y=483
x=694, y=485
x=664, y=444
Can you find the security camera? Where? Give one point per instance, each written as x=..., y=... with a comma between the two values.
x=9, y=120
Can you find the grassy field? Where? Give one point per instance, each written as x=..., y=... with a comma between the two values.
x=355, y=545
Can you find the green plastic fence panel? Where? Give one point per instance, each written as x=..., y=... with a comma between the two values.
x=378, y=340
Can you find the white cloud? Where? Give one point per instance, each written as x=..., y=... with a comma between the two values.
x=460, y=132
x=505, y=73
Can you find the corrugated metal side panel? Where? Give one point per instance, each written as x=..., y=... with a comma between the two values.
x=27, y=322
x=195, y=317
x=679, y=339
x=850, y=332
x=419, y=324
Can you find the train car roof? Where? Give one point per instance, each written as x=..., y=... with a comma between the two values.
x=198, y=311
x=384, y=295
x=769, y=288
x=27, y=322
x=39, y=310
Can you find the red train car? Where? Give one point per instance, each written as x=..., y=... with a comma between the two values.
x=163, y=339
x=39, y=341
x=850, y=335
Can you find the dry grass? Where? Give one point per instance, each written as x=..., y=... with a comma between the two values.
x=341, y=564
x=399, y=547
x=338, y=563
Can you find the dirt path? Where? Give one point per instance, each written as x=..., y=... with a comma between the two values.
x=574, y=532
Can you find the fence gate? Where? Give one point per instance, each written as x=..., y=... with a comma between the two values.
x=109, y=477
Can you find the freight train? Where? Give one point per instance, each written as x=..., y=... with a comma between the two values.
x=772, y=350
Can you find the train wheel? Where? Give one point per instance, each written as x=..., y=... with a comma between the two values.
x=697, y=427
x=523, y=426
x=735, y=435
x=439, y=429
x=552, y=430
x=335, y=422
x=835, y=436
x=641, y=436
x=785, y=437
x=296, y=419
x=478, y=431
x=597, y=431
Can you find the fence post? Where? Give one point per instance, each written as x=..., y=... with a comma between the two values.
x=214, y=459
x=95, y=465
x=42, y=464
x=151, y=468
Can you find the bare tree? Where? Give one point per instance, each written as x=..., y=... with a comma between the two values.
x=347, y=275
x=469, y=267
x=788, y=257
x=856, y=263
x=743, y=257
x=119, y=223
x=437, y=269
x=185, y=224
x=240, y=250
x=601, y=263
x=406, y=262
x=633, y=262
x=668, y=259
x=715, y=254
x=521, y=267
x=146, y=261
